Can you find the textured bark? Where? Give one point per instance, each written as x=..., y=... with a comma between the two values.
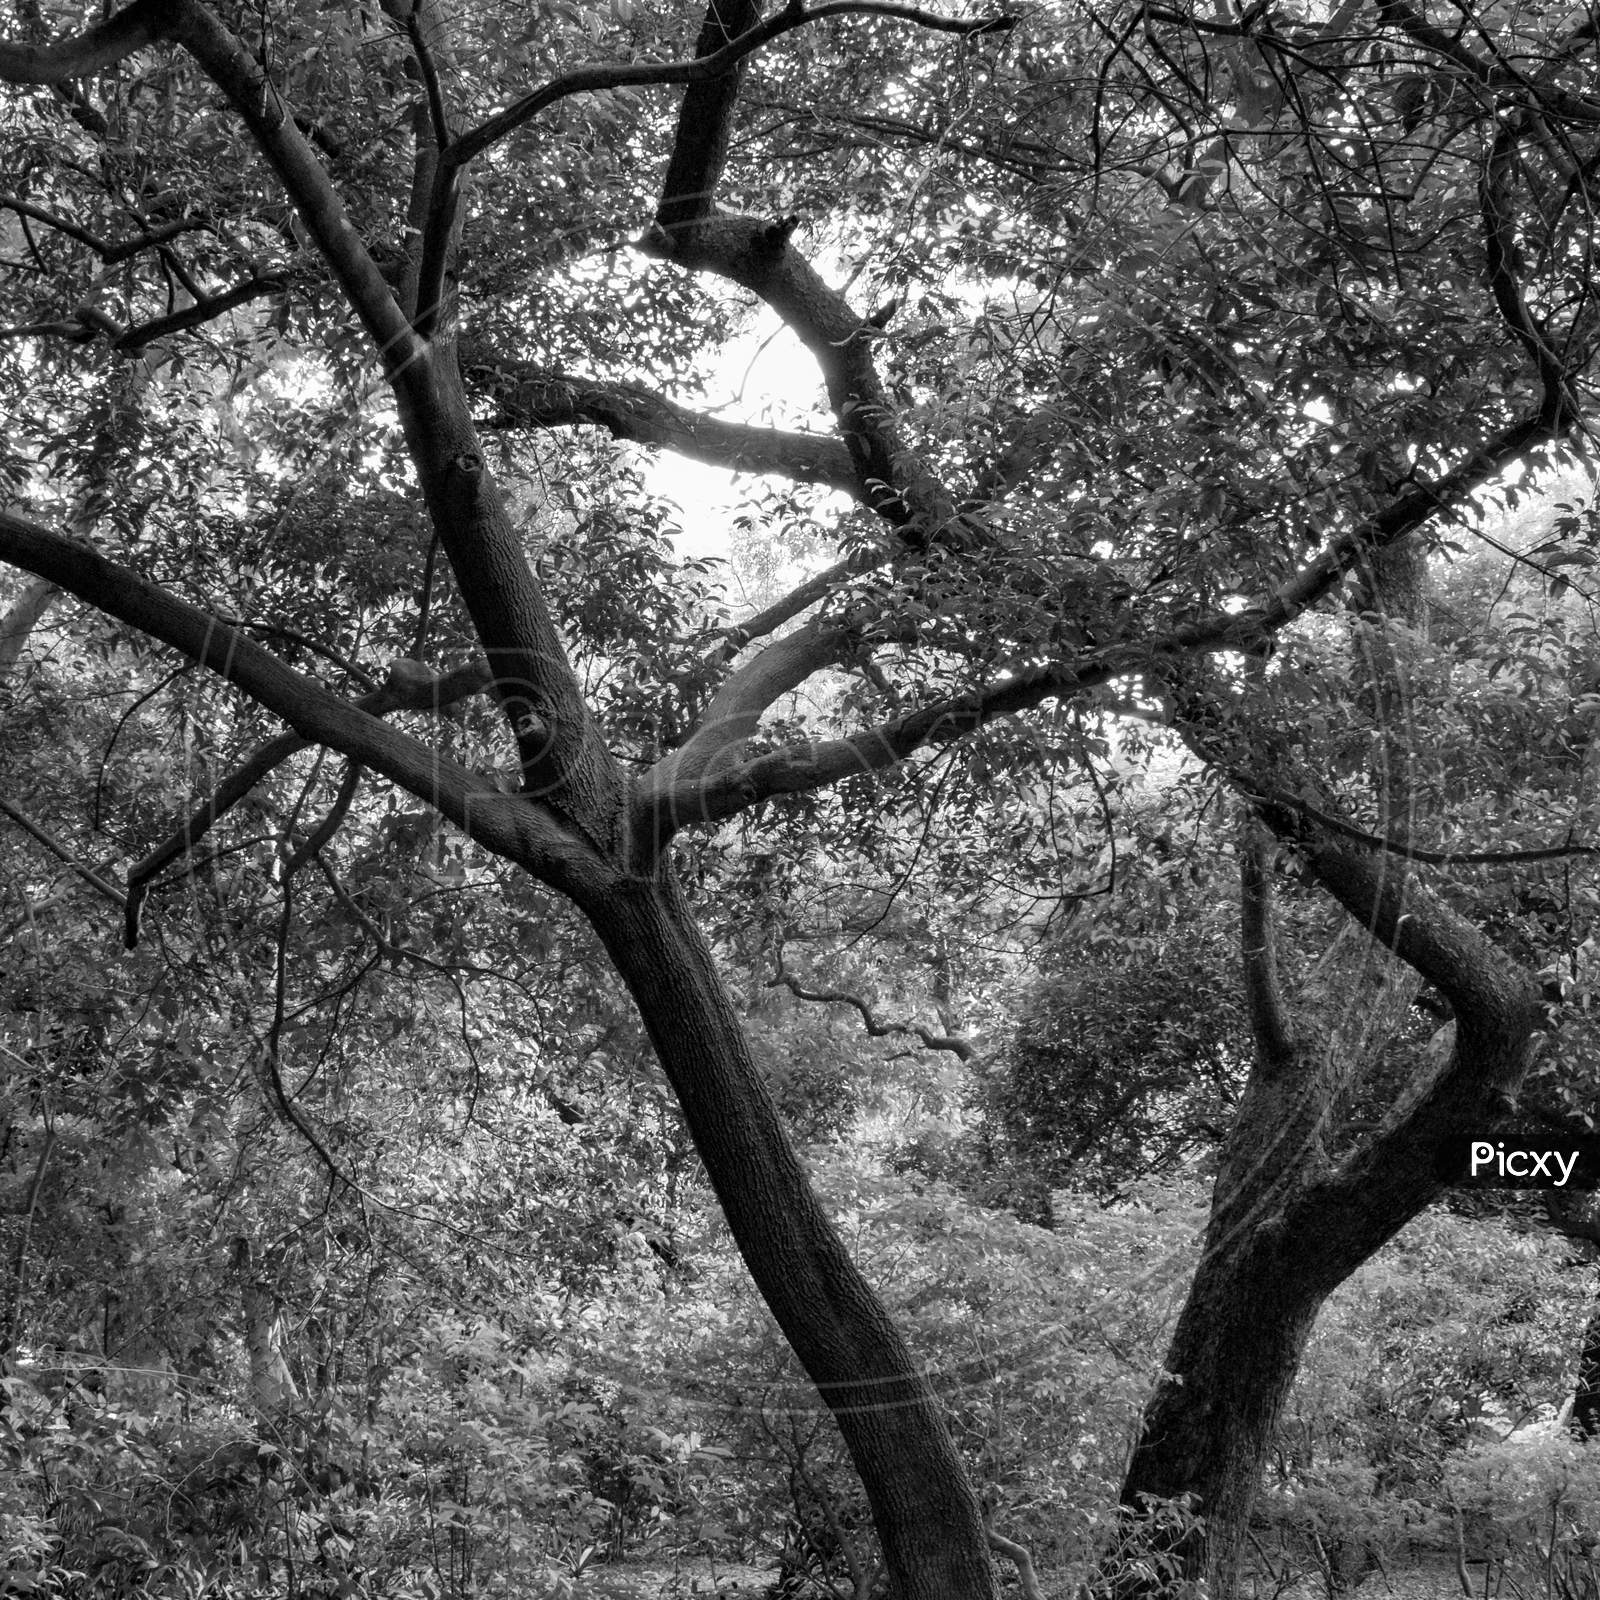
x=925, y=1511
x=1287, y=1226
x=532, y=399
x=705, y=124
x=19, y=621
x=1231, y=1364
x=1586, y=1392
x=1239, y=1338
x=272, y=1385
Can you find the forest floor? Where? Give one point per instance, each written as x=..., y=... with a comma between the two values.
x=682, y=1580
x=1429, y=1581
x=701, y=1578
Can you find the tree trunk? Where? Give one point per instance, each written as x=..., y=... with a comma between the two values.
x=19, y=621
x=927, y=1516
x=1288, y=1225
x=926, y=1513
x=1230, y=1367
x=1586, y=1393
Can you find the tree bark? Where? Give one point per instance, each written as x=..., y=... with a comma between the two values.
x=1230, y=1367
x=1586, y=1392
x=926, y=1513
x=19, y=621
x=1287, y=1225
x=1243, y=1327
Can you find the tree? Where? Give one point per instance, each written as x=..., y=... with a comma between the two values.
x=1267, y=294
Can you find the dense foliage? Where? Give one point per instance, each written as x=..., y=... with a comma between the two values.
x=1131, y=770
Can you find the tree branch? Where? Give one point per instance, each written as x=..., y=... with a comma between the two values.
x=322, y=835
x=589, y=79
x=244, y=84
x=1498, y=1010
x=876, y=1028
x=134, y=28
x=800, y=598
x=661, y=808
x=1407, y=851
x=109, y=252
x=736, y=709
x=516, y=827
x=202, y=311
x=88, y=322
x=410, y=686
x=19, y=621
x=665, y=802
x=435, y=205
x=1500, y=253
x=529, y=398
x=59, y=850
x=705, y=120
x=1493, y=75
x=1258, y=938
x=1263, y=617
x=758, y=256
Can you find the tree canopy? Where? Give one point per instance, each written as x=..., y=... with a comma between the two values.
x=1165, y=360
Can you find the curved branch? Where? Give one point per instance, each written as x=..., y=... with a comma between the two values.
x=875, y=1027
x=1500, y=254
x=758, y=256
x=1018, y=1555
x=666, y=801
x=591, y=79
x=1498, y=1011
x=88, y=322
x=700, y=69
x=109, y=252
x=800, y=598
x=736, y=709
x=237, y=73
x=1434, y=858
x=322, y=835
x=135, y=28
x=1445, y=948
x=202, y=311
x=1266, y=615
x=630, y=411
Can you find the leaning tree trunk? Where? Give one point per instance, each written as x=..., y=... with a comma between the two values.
x=926, y=1513
x=1288, y=1224
x=1235, y=1352
x=1207, y=1430
x=924, y=1508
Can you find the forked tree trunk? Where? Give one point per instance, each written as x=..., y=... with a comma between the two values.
x=927, y=1516
x=926, y=1513
x=1288, y=1225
